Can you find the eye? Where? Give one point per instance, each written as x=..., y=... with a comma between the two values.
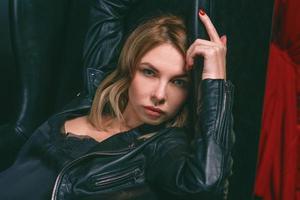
x=180, y=82
x=148, y=72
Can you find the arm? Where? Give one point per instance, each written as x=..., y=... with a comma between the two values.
x=199, y=169
x=104, y=39
x=202, y=168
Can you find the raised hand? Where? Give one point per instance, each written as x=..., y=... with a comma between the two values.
x=213, y=51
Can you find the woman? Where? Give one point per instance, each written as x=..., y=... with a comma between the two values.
x=132, y=143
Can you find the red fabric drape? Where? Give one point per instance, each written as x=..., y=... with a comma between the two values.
x=276, y=170
x=286, y=27
x=277, y=176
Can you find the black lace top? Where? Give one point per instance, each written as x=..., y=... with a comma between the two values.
x=34, y=173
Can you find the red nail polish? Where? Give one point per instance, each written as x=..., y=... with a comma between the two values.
x=201, y=11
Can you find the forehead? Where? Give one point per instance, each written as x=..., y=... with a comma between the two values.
x=165, y=58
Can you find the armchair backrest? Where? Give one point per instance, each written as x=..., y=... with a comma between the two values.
x=52, y=60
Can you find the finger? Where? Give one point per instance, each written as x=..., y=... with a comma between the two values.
x=198, y=42
x=189, y=58
x=203, y=51
x=224, y=40
x=210, y=28
x=197, y=50
x=201, y=42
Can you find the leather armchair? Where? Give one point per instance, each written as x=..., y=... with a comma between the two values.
x=46, y=40
x=48, y=49
x=52, y=63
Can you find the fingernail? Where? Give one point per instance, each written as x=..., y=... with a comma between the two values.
x=201, y=12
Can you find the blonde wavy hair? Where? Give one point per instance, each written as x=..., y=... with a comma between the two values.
x=111, y=96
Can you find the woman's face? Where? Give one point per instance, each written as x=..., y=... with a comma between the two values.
x=159, y=86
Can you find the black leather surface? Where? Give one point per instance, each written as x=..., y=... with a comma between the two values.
x=34, y=39
x=47, y=39
x=45, y=67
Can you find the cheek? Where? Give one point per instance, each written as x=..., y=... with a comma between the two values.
x=177, y=98
x=138, y=88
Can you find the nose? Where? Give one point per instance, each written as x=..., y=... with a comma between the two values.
x=159, y=94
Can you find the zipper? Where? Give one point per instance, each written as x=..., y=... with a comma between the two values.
x=131, y=166
x=220, y=103
x=221, y=124
x=220, y=120
x=133, y=170
x=114, y=153
x=74, y=162
x=122, y=177
x=226, y=105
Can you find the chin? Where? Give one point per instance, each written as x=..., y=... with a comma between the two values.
x=154, y=121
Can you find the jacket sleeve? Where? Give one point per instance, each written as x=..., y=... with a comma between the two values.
x=104, y=39
x=199, y=169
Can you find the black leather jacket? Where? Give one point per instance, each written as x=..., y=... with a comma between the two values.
x=147, y=163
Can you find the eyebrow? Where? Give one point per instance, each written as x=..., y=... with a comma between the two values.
x=185, y=75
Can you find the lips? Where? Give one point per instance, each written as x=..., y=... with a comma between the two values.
x=153, y=112
x=154, y=109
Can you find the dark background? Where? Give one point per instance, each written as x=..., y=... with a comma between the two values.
x=249, y=29
x=8, y=83
x=56, y=61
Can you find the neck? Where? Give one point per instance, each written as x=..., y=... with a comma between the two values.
x=131, y=120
